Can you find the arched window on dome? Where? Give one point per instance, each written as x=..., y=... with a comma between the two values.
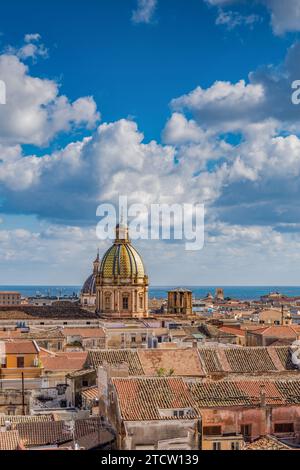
x=141, y=301
x=125, y=302
x=107, y=301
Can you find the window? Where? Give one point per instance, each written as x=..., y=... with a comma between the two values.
x=212, y=431
x=144, y=339
x=133, y=339
x=125, y=303
x=284, y=427
x=141, y=302
x=20, y=362
x=235, y=446
x=107, y=301
x=216, y=445
x=85, y=383
x=246, y=431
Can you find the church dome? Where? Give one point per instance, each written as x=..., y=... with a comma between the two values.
x=122, y=259
x=89, y=287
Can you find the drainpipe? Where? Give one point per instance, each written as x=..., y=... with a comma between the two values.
x=23, y=395
x=262, y=394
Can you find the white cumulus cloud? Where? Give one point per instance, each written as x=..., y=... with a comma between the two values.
x=144, y=11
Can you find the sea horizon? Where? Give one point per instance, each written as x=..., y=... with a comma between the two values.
x=243, y=292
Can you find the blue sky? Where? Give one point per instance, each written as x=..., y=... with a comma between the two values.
x=107, y=94
x=137, y=69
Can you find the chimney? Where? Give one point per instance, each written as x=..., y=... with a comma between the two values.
x=264, y=411
x=262, y=395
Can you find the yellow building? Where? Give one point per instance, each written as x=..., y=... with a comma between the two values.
x=19, y=357
x=233, y=442
x=8, y=298
x=122, y=284
x=180, y=302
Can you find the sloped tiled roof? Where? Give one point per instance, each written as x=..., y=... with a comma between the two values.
x=20, y=347
x=267, y=443
x=246, y=360
x=284, y=331
x=290, y=390
x=182, y=362
x=210, y=360
x=64, y=361
x=10, y=440
x=233, y=331
x=84, y=332
x=43, y=433
x=16, y=419
x=245, y=393
x=116, y=357
x=142, y=398
x=49, y=333
x=86, y=432
x=284, y=355
x=197, y=362
x=91, y=393
x=249, y=360
x=219, y=394
x=58, y=310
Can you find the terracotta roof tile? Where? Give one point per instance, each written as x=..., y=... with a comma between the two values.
x=10, y=440
x=219, y=394
x=267, y=443
x=84, y=332
x=182, y=362
x=284, y=355
x=246, y=360
x=16, y=419
x=290, y=390
x=249, y=360
x=86, y=432
x=143, y=398
x=246, y=393
x=43, y=433
x=115, y=358
x=233, y=331
x=21, y=347
x=210, y=359
x=64, y=361
x=280, y=331
x=91, y=393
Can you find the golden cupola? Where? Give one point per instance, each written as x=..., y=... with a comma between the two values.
x=122, y=284
x=122, y=259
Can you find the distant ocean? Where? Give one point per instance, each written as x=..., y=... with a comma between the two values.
x=240, y=292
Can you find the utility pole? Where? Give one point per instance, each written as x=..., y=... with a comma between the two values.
x=23, y=395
